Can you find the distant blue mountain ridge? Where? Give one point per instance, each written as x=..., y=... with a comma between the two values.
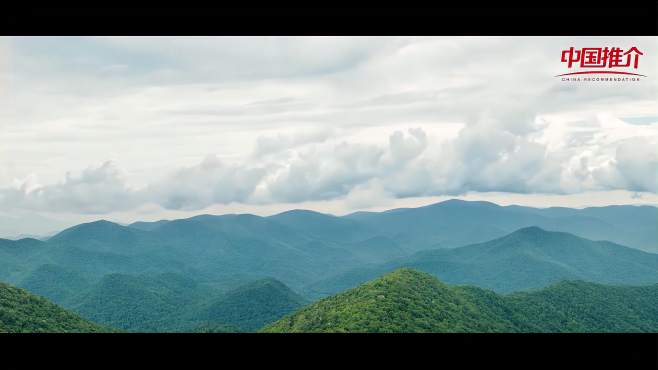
x=504, y=248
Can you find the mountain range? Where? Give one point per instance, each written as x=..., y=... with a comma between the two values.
x=209, y=273
x=527, y=258
x=299, y=246
x=455, y=223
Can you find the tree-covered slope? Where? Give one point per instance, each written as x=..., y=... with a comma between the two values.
x=577, y=306
x=171, y=302
x=142, y=303
x=400, y=301
x=253, y=305
x=55, y=283
x=406, y=300
x=22, y=312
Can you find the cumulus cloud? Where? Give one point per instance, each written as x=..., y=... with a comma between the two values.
x=634, y=166
x=99, y=189
x=369, y=194
x=210, y=182
x=488, y=155
x=404, y=148
x=321, y=173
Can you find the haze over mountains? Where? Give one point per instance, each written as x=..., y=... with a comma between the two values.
x=455, y=223
x=211, y=272
x=527, y=258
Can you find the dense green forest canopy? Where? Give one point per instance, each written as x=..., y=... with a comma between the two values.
x=171, y=302
x=406, y=300
x=22, y=312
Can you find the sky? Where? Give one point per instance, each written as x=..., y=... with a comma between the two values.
x=148, y=128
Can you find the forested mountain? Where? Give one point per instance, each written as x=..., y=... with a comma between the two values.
x=527, y=258
x=142, y=303
x=406, y=300
x=301, y=247
x=210, y=248
x=171, y=302
x=22, y=312
x=253, y=305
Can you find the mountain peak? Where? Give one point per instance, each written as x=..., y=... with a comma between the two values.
x=103, y=222
x=426, y=303
x=98, y=225
x=538, y=236
x=254, y=304
x=531, y=230
x=301, y=212
x=462, y=202
x=534, y=232
x=406, y=301
x=406, y=272
x=101, y=229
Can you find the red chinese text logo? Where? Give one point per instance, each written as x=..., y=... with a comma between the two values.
x=603, y=59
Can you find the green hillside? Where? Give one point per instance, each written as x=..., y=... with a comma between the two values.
x=55, y=283
x=401, y=301
x=406, y=300
x=576, y=306
x=253, y=305
x=22, y=312
x=171, y=302
x=142, y=303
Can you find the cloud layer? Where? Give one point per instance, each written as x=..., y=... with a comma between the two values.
x=487, y=156
x=188, y=123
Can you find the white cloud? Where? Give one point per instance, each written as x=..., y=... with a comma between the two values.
x=634, y=166
x=210, y=182
x=367, y=195
x=95, y=190
x=266, y=145
x=199, y=122
x=486, y=156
